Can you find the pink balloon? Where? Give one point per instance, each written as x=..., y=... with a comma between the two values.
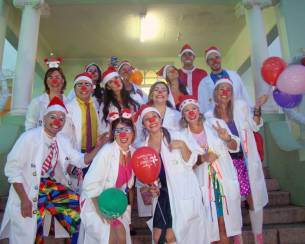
x=292, y=80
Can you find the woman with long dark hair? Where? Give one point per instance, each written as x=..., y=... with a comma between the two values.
x=176, y=87
x=55, y=85
x=115, y=97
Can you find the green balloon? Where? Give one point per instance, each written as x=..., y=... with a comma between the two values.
x=112, y=203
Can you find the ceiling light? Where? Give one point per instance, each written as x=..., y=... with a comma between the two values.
x=148, y=27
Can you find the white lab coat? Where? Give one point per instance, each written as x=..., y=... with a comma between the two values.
x=23, y=165
x=137, y=97
x=188, y=213
x=245, y=126
x=73, y=125
x=102, y=175
x=229, y=181
x=36, y=111
x=206, y=88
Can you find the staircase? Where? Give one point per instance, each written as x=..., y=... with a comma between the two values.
x=284, y=223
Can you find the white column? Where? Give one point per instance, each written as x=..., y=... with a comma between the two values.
x=259, y=48
x=26, y=55
x=3, y=21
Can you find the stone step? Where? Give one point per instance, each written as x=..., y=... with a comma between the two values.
x=266, y=172
x=278, y=234
x=272, y=185
x=279, y=215
x=270, y=236
x=278, y=198
x=141, y=239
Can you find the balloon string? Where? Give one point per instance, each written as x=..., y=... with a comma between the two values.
x=154, y=195
x=161, y=212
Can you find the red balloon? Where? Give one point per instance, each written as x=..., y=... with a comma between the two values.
x=146, y=164
x=271, y=69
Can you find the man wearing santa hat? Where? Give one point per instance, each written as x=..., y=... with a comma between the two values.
x=189, y=74
x=83, y=125
x=206, y=87
x=124, y=69
x=40, y=187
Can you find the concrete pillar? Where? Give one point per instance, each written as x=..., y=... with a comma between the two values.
x=259, y=49
x=26, y=55
x=3, y=21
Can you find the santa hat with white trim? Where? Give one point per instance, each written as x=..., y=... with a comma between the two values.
x=110, y=73
x=163, y=70
x=56, y=104
x=186, y=48
x=186, y=100
x=211, y=50
x=123, y=63
x=85, y=76
x=223, y=81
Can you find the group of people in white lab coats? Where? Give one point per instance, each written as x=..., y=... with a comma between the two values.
x=74, y=148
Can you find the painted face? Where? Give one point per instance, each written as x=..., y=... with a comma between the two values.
x=172, y=73
x=223, y=93
x=55, y=81
x=187, y=58
x=125, y=71
x=83, y=90
x=152, y=121
x=214, y=62
x=94, y=72
x=159, y=94
x=53, y=122
x=190, y=113
x=115, y=84
x=123, y=135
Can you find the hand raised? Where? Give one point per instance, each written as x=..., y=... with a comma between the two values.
x=222, y=132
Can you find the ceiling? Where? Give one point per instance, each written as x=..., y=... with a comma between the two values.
x=77, y=29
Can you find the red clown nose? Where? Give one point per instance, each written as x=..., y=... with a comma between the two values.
x=117, y=82
x=152, y=120
x=192, y=113
x=54, y=81
x=83, y=88
x=226, y=92
x=56, y=122
x=122, y=135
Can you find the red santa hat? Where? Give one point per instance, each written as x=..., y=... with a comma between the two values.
x=211, y=50
x=144, y=109
x=85, y=76
x=123, y=63
x=223, y=81
x=108, y=75
x=56, y=104
x=186, y=48
x=186, y=100
x=162, y=71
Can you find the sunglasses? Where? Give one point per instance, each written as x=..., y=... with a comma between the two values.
x=121, y=130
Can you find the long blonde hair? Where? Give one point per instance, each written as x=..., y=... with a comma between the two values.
x=229, y=107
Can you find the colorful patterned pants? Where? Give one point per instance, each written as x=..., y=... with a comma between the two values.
x=59, y=201
x=243, y=177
